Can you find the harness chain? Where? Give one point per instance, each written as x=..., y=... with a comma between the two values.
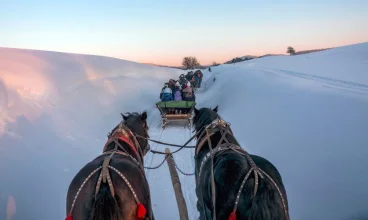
x=228, y=146
x=177, y=167
x=181, y=171
x=158, y=166
x=181, y=147
x=163, y=143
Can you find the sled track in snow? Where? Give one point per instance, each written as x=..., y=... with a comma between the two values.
x=328, y=82
x=162, y=192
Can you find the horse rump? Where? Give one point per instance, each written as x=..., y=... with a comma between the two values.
x=105, y=206
x=267, y=204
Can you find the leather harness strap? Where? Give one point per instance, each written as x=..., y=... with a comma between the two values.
x=219, y=125
x=213, y=187
x=124, y=134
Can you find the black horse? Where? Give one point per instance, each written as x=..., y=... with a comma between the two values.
x=244, y=186
x=113, y=186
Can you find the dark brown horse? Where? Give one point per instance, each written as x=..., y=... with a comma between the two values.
x=242, y=186
x=113, y=186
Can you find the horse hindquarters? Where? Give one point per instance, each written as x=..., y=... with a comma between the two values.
x=267, y=204
x=201, y=207
x=203, y=192
x=105, y=206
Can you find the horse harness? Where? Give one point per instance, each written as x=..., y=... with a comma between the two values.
x=124, y=134
x=219, y=125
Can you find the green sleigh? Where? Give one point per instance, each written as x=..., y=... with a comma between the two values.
x=176, y=111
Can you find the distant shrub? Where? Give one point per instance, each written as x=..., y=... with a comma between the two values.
x=290, y=50
x=190, y=62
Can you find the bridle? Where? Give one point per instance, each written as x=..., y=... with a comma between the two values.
x=122, y=133
x=219, y=125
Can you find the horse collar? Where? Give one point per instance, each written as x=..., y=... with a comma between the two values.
x=125, y=135
x=211, y=126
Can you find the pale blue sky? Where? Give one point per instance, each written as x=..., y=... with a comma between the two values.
x=165, y=31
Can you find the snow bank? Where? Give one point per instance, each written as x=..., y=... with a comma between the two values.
x=348, y=63
x=307, y=114
x=55, y=112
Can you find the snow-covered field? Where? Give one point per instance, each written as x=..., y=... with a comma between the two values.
x=307, y=114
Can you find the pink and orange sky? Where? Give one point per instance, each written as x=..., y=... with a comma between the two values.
x=163, y=32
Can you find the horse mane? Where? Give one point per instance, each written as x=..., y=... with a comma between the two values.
x=205, y=116
x=128, y=115
x=131, y=114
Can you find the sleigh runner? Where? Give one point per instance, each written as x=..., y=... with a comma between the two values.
x=176, y=111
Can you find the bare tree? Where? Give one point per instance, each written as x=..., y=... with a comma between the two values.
x=290, y=50
x=190, y=62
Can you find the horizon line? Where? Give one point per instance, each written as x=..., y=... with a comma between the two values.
x=157, y=64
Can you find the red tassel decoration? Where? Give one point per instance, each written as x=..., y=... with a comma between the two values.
x=232, y=216
x=141, y=211
x=69, y=217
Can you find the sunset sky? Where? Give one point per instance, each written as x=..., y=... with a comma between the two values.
x=163, y=32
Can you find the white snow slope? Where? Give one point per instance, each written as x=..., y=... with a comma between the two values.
x=307, y=114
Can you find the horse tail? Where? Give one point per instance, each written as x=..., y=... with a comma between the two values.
x=105, y=206
x=267, y=203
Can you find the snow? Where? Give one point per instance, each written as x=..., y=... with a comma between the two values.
x=307, y=114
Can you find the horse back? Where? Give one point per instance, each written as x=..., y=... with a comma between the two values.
x=123, y=194
x=230, y=168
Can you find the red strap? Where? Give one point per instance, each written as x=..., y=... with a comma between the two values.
x=122, y=138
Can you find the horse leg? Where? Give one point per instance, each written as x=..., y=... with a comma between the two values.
x=205, y=213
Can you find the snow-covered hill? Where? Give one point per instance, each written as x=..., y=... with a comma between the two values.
x=307, y=114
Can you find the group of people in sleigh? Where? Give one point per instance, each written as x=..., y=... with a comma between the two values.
x=177, y=92
x=182, y=89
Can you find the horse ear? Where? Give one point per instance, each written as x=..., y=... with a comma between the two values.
x=144, y=116
x=196, y=111
x=216, y=108
x=124, y=117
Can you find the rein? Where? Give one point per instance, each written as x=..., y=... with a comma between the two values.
x=164, y=143
x=219, y=125
x=174, y=145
